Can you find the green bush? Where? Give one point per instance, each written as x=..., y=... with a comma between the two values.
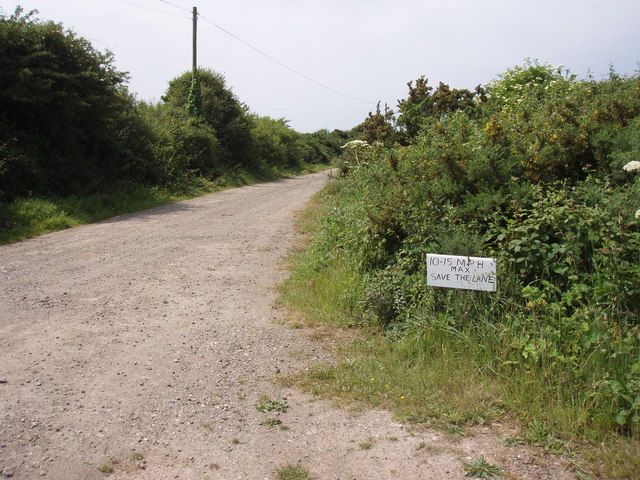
x=424, y=102
x=313, y=150
x=183, y=146
x=275, y=143
x=67, y=123
x=221, y=111
x=332, y=141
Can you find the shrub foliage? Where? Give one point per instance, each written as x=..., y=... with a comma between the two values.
x=66, y=121
x=528, y=169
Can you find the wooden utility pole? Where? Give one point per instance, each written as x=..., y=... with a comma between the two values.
x=194, y=103
x=195, y=41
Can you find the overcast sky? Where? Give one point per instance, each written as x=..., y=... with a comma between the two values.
x=365, y=49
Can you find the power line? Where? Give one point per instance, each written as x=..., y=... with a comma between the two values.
x=284, y=65
x=253, y=47
x=570, y=26
x=271, y=57
x=602, y=34
x=152, y=9
x=174, y=5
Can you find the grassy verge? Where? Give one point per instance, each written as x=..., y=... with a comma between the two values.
x=28, y=217
x=432, y=373
x=322, y=295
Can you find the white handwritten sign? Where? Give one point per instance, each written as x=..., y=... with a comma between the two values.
x=469, y=273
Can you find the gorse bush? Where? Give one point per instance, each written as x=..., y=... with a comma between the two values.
x=528, y=169
x=424, y=102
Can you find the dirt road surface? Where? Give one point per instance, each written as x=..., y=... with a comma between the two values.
x=138, y=348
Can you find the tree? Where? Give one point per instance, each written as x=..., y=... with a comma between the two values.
x=221, y=110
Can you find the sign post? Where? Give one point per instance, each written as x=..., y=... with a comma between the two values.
x=468, y=273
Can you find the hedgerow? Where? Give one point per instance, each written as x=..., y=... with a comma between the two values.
x=69, y=126
x=528, y=169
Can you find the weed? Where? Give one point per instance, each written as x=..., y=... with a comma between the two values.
x=319, y=335
x=137, y=456
x=615, y=458
x=107, y=469
x=266, y=405
x=403, y=376
x=235, y=441
x=480, y=468
x=367, y=444
x=274, y=422
x=293, y=472
x=540, y=435
x=454, y=429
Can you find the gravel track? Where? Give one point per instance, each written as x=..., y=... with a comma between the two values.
x=142, y=344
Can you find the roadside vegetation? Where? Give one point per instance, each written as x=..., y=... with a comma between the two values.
x=292, y=471
x=539, y=169
x=76, y=146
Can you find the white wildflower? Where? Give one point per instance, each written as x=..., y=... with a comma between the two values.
x=632, y=166
x=355, y=144
x=638, y=215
